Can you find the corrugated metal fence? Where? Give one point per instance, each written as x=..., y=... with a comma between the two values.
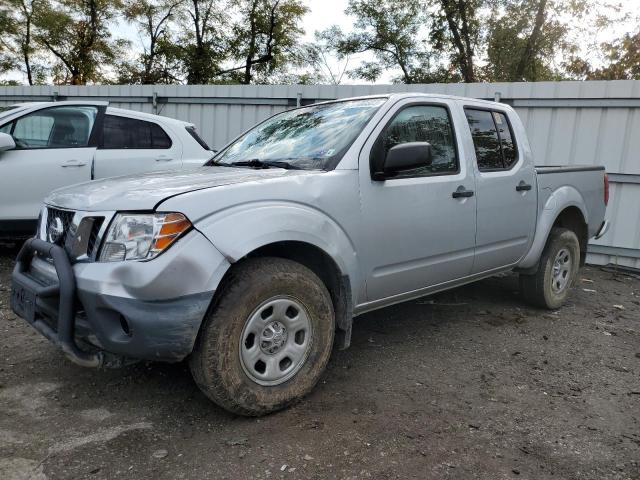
x=567, y=123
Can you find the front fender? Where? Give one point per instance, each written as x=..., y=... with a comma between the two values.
x=557, y=201
x=239, y=230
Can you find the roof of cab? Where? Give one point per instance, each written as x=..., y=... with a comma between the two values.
x=403, y=95
x=147, y=116
x=117, y=111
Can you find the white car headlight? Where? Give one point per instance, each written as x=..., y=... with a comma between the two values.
x=136, y=236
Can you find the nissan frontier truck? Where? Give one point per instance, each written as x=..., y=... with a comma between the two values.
x=253, y=266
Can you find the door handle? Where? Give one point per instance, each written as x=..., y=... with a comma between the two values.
x=73, y=163
x=462, y=192
x=523, y=187
x=163, y=158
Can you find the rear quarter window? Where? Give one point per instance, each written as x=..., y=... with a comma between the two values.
x=130, y=133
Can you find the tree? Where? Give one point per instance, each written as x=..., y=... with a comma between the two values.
x=318, y=55
x=201, y=45
x=157, y=60
x=265, y=37
x=527, y=40
x=16, y=23
x=393, y=31
x=8, y=28
x=524, y=41
x=459, y=25
x=77, y=33
x=621, y=61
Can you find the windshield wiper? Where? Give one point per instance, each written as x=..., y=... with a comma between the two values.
x=257, y=163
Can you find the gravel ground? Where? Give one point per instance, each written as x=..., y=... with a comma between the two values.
x=467, y=384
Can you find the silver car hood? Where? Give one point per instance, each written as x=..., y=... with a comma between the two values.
x=144, y=192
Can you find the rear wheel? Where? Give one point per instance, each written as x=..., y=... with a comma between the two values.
x=268, y=339
x=559, y=265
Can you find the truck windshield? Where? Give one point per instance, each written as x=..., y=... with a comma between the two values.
x=314, y=137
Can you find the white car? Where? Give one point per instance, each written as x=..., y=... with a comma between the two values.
x=48, y=145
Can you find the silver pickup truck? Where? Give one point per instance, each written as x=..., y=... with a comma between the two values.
x=254, y=266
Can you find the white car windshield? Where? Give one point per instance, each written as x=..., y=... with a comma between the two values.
x=314, y=137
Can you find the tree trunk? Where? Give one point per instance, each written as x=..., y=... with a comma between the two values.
x=25, y=51
x=76, y=78
x=463, y=46
x=252, y=43
x=529, y=50
x=26, y=45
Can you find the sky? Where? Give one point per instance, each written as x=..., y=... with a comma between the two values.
x=324, y=13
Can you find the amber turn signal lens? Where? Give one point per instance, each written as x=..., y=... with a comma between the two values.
x=173, y=225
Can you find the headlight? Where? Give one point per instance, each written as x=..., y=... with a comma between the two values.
x=134, y=236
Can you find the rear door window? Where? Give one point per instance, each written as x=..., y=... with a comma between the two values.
x=130, y=133
x=492, y=138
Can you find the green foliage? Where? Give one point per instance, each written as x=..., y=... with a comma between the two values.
x=265, y=36
x=77, y=33
x=523, y=42
x=395, y=32
x=8, y=28
x=201, y=44
x=17, y=44
x=158, y=62
x=622, y=61
x=259, y=41
x=457, y=33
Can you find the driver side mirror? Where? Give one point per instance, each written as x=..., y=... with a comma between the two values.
x=6, y=142
x=407, y=156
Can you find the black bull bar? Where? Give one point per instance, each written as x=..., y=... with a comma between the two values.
x=26, y=291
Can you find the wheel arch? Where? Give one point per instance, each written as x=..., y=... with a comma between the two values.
x=565, y=208
x=337, y=281
x=573, y=219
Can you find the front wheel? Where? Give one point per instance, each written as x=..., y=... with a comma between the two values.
x=268, y=339
x=559, y=265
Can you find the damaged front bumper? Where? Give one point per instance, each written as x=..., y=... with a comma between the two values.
x=104, y=315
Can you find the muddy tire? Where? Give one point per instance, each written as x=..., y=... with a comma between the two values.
x=559, y=266
x=267, y=339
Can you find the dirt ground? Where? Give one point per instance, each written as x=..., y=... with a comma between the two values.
x=467, y=384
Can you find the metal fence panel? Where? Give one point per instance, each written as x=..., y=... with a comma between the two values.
x=567, y=123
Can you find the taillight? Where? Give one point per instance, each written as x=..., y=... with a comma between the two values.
x=606, y=189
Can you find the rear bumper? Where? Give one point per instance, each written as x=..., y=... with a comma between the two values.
x=140, y=311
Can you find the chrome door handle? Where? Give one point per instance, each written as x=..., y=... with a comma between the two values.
x=462, y=192
x=73, y=163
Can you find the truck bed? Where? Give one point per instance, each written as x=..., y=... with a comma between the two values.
x=565, y=181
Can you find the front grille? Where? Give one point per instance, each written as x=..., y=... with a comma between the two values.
x=93, y=242
x=59, y=224
x=78, y=232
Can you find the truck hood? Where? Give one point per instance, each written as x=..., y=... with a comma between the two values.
x=144, y=192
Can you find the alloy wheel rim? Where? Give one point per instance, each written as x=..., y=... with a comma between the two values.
x=275, y=341
x=561, y=273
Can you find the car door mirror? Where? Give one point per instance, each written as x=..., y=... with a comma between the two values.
x=6, y=142
x=407, y=156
